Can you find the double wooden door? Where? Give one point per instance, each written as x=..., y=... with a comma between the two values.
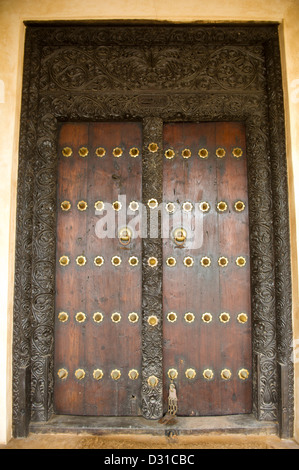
x=206, y=269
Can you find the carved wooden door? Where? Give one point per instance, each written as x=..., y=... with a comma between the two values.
x=98, y=298
x=206, y=281
x=100, y=263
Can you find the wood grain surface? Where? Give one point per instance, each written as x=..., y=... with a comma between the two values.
x=214, y=345
x=89, y=289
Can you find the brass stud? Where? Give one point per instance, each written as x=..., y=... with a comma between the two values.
x=242, y=318
x=67, y=151
x=208, y=374
x=172, y=373
x=187, y=206
x=239, y=206
x=172, y=317
x=80, y=374
x=133, y=261
x=63, y=317
x=153, y=147
x=152, y=261
x=224, y=317
x=152, y=381
x=205, y=261
x=223, y=261
x=243, y=374
x=80, y=317
x=134, y=206
x=226, y=374
x=203, y=153
x=117, y=152
x=220, y=152
x=206, y=317
x=171, y=262
x=65, y=205
x=170, y=207
x=98, y=317
x=99, y=206
x=134, y=152
x=116, y=260
x=189, y=317
x=116, y=205
x=62, y=374
x=169, y=154
x=81, y=260
x=100, y=152
x=204, y=206
x=115, y=374
x=190, y=374
x=99, y=261
x=64, y=260
x=152, y=203
x=222, y=206
x=237, y=152
x=152, y=320
x=82, y=205
x=133, y=374
x=133, y=317
x=188, y=261
x=116, y=317
x=186, y=153
x=98, y=374
x=240, y=261
x=83, y=152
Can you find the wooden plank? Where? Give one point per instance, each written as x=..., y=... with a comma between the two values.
x=213, y=345
x=91, y=289
x=234, y=424
x=70, y=282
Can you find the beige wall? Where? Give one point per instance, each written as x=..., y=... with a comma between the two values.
x=12, y=15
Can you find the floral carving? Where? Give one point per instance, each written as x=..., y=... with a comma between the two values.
x=151, y=68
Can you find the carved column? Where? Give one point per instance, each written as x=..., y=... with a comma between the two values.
x=152, y=394
x=23, y=250
x=283, y=287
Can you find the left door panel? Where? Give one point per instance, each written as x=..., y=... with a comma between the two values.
x=98, y=275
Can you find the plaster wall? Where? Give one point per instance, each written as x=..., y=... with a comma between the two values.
x=13, y=13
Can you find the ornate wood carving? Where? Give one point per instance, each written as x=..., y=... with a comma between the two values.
x=152, y=354
x=152, y=73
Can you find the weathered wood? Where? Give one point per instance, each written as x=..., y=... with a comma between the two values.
x=284, y=425
x=22, y=427
x=243, y=424
x=212, y=290
x=106, y=289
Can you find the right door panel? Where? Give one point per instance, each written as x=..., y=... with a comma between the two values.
x=206, y=275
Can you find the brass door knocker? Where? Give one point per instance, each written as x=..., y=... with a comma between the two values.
x=180, y=235
x=125, y=236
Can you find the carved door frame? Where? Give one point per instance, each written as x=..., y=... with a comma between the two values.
x=241, y=82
